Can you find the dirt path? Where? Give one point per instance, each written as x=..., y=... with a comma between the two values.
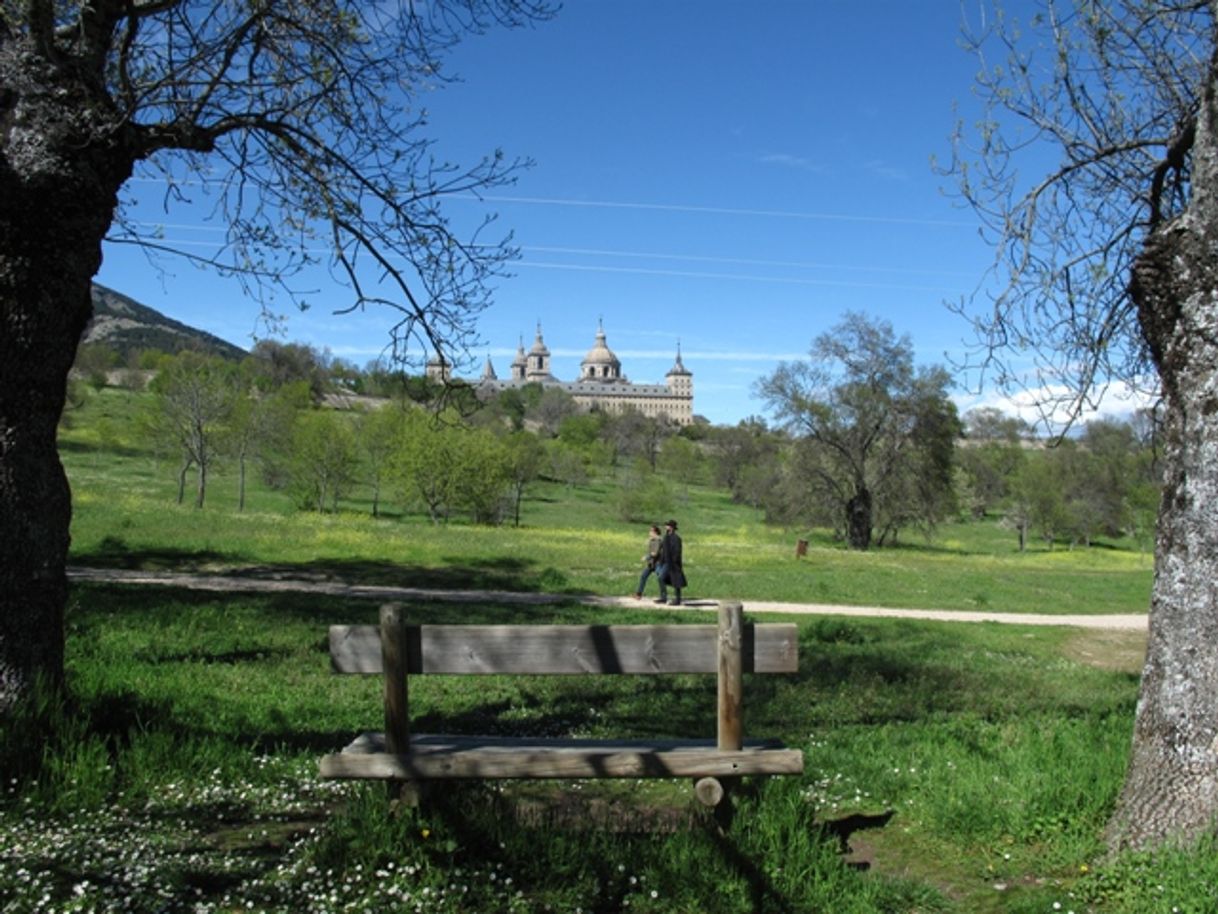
x=250, y=584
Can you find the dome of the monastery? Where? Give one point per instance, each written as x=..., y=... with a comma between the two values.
x=600, y=353
x=600, y=362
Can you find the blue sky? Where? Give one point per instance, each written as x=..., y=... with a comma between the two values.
x=733, y=177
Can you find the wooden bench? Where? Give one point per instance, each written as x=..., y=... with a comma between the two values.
x=729, y=649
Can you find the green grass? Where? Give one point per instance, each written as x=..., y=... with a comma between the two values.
x=949, y=768
x=198, y=719
x=571, y=541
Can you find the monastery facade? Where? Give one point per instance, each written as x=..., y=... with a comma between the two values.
x=601, y=384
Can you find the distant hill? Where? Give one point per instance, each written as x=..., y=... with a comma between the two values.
x=124, y=324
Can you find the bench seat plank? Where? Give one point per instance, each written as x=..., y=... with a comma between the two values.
x=565, y=649
x=434, y=756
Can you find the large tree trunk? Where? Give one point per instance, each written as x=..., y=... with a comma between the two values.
x=57, y=197
x=1171, y=789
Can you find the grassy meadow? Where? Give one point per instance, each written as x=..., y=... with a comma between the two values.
x=949, y=767
x=571, y=541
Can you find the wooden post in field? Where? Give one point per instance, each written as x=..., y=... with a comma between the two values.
x=397, y=709
x=731, y=676
x=715, y=792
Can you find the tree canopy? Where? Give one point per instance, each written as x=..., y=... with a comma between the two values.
x=1083, y=148
x=877, y=433
x=300, y=123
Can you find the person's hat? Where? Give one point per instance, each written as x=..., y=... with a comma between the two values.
x=671, y=523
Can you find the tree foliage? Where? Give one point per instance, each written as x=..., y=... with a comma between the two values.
x=195, y=397
x=876, y=435
x=323, y=459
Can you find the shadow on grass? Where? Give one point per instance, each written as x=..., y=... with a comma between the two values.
x=97, y=603
x=109, y=449
x=506, y=574
x=113, y=552
x=589, y=831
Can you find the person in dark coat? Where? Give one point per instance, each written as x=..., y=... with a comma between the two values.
x=670, y=568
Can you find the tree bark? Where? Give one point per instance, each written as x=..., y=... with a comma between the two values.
x=1171, y=788
x=201, y=486
x=186, y=465
x=858, y=519
x=59, y=177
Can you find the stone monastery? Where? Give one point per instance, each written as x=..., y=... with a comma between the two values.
x=601, y=384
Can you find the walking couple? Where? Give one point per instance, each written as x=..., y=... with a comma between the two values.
x=664, y=558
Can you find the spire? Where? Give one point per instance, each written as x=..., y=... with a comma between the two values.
x=679, y=366
x=538, y=361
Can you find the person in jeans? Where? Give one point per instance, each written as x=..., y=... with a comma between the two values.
x=649, y=560
x=670, y=568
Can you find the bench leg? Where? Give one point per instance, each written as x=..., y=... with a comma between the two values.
x=709, y=791
x=404, y=794
x=725, y=812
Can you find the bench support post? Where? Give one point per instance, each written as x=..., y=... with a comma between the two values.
x=731, y=708
x=731, y=676
x=397, y=708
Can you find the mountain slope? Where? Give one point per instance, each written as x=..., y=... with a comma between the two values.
x=124, y=325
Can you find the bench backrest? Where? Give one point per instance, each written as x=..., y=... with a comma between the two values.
x=729, y=649
x=565, y=649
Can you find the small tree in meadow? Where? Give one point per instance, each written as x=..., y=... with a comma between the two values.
x=194, y=400
x=525, y=458
x=643, y=496
x=376, y=436
x=323, y=462
x=481, y=472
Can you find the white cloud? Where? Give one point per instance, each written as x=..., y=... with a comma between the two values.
x=1045, y=407
x=792, y=161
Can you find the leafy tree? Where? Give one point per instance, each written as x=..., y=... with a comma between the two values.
x=275, y=364
x=344, y=374
x=376, y=435
x=95, y=361
x=525, y=458
x=276, y=415
x=260, y=421
x=382, y=381
x=422, y=464
x=300, y=125
x=917, y=491
x=552, y=407
x=583, y=433
x=1105, y=270
x=990, y=458
x=734, y=449
x=151, y=359
x=481, y=474
x=643, y=496
x=324, y=458
x=681, y=459
x=565, y=464
x=512, y=405
x=988, y=423
x=244, y=423
x=1110, y=473
x=194, y=395
x=866, y=415
x=632, y=434
x=1042, y=497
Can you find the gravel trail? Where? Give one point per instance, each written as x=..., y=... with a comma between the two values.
x=244, y=582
